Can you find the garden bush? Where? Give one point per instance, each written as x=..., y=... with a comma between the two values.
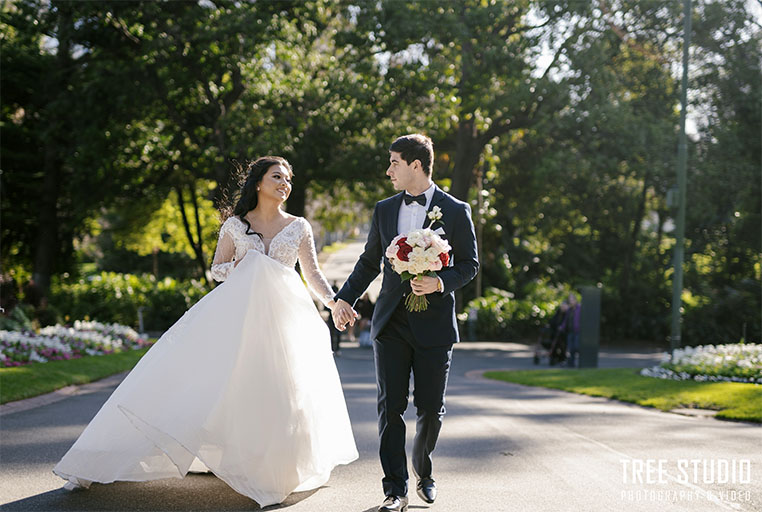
x=115, y=298
x=502, y=316
x=729, y=312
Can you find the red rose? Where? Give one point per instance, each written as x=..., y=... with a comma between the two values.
x=404, y=249
x=444, y=257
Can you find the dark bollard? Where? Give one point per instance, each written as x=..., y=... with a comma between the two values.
x=590, y=327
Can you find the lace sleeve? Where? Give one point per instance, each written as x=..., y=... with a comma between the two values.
x=224, y=256
x=310, y=269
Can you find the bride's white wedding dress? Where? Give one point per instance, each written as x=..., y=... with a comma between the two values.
x=244, y=384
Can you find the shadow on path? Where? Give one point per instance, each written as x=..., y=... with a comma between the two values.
x=194, y=492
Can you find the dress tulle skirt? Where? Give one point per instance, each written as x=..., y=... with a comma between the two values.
x=244, y=384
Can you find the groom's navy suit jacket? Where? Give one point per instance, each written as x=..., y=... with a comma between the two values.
x=437, y=325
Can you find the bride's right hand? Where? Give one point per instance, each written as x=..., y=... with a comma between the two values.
x=343, y=314
x=236, y=262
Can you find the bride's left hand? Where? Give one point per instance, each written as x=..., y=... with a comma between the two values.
x=343, y=314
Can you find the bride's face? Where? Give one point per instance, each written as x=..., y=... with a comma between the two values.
x=276, y=183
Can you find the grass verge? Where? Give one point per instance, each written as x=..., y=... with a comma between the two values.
x=35, y=379
x=334, y=247
x=733, y=400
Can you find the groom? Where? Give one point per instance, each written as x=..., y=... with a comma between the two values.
x=420, y=342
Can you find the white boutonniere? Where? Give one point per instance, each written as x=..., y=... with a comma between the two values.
x=435, y=214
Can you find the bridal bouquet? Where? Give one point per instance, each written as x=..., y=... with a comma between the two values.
x=420, y=252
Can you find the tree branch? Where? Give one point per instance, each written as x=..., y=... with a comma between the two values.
x=122, y=28
x=622, y=34
x=504, y=124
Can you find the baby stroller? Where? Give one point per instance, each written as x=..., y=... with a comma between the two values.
x=551, y=342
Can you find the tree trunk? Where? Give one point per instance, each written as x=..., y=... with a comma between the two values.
x=199, y=231
x=624, y=282
x=468, y=150
x=659, y=235
x=155, y=256
x=47, y=244
x=197, y=249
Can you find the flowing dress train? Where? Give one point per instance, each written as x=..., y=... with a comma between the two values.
x=244, y=384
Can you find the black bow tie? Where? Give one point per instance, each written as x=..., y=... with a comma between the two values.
x=421, y=199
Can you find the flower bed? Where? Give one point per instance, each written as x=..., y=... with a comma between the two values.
x=56, y=342
x=736, y=362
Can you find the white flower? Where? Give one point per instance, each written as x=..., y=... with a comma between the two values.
x=92, y=337
x=714, y=363
x=415, y=238
x=425, y=254
x=37, y=358
x=435, y=214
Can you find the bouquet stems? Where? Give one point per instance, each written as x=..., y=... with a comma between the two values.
x=416, y=303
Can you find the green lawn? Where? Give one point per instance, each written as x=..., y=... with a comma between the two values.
x=334, y=247
x=37, y=378
x=732, y=400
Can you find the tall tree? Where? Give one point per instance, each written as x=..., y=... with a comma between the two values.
x=471, y=64
x=724, y=253
x=53, y=86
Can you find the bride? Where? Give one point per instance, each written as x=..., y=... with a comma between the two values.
x=244, y=384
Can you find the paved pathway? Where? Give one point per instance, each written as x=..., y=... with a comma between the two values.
x=504, y=447
x=338, y=265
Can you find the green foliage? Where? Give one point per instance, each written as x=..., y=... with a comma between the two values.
x=17, y=319
x=162, y=229
x=502, y=316
x=339, y=207
x=568, y=110
x=111, y=297
x=733, y=400
x=726, y=313
x=492, y=312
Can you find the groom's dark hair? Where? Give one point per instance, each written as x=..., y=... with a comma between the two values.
x=415, y=147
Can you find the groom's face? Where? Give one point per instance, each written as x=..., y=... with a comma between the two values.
x=400, y=172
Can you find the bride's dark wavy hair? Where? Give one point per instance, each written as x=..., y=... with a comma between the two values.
x=246, y=178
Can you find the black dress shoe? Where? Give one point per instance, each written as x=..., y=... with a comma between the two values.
x=427, y=490
x=394, y=504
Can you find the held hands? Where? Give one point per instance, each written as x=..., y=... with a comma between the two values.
x=343, y=314
x=425, y=285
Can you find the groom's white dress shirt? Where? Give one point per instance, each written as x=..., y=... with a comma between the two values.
x=413, y=215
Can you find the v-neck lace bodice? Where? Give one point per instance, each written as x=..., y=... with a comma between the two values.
x=291, y=244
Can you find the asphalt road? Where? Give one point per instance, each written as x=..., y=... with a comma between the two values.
x=503, y=447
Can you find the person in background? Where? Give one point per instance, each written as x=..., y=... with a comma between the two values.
x=570, y=325
x=335, y=333
x=364, y=307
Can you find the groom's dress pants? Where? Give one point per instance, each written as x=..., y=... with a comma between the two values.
x=396, y=354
